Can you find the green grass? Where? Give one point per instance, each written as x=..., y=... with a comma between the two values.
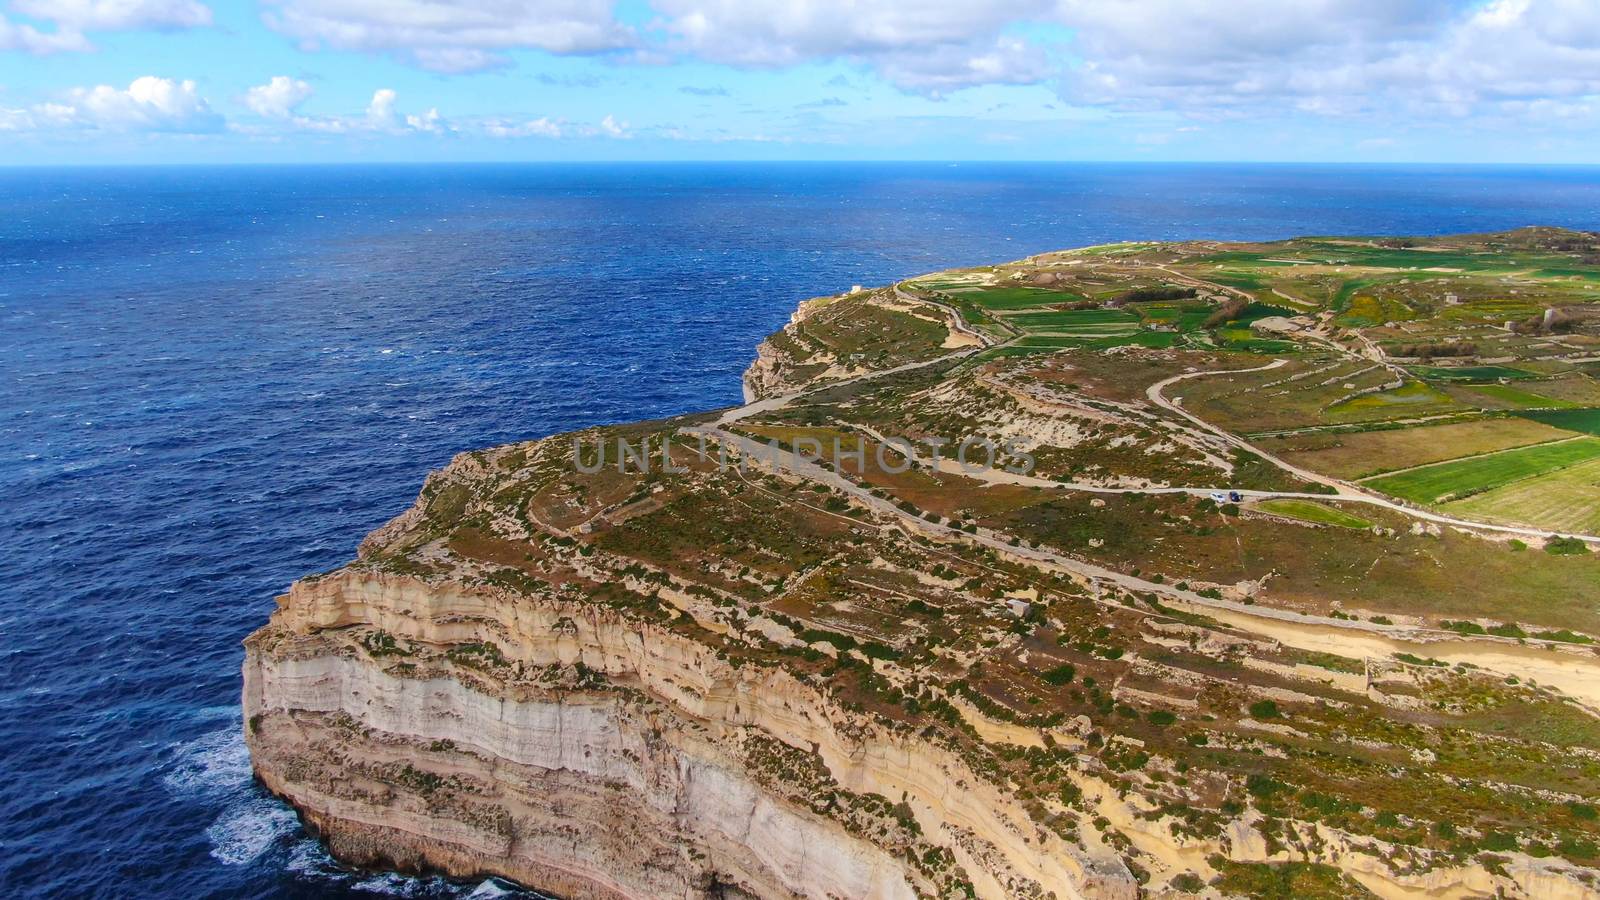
x=1458, y=478
x=1261, y=311
x=1312, y=511
x=1469, y=373
x=1244, y=339
x=1040, y=320
x=1109, y=328
x=1519, y=398
x=1017, y=297
x=1151, y=339
x=1585, y=421
x=1566, y=500
x=1370, y=309
x=1407, y=398
x=1183, y=316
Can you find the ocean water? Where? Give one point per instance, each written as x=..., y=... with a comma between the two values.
x=213, y=380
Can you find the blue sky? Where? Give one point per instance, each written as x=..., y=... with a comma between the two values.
x=140, y=81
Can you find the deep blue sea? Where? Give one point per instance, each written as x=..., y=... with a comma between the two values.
x=213, y=380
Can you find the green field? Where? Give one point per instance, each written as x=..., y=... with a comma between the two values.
x=1518, y=398
x=1035, y=321
x=1430, y=484
x=1469, y=373
x=1359, y=454
x=1152, y=339
x=1090, y=330
x=1015, y=297
x=1566, y=500
x=1312, y=511
x=1586, y=421
x=1411, y=398
x=1262, y=311
x=1183, y=316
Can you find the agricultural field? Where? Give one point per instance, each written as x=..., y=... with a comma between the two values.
x=1586, y=421
x=1566, y=500
x=1469, y=373
x=1358, y=454
x=1313, y=512
x=1413, y=398
x=1444, y=481
x=1504, y=396
x=1005, y=298
x=1073, y=318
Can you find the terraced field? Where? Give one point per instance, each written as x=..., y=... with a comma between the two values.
x=1414, y=398
x=1436, y=483
x=1509, y=397
x=1469, y=373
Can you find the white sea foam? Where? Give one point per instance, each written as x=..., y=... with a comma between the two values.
x=247, y=830
x=218, y=761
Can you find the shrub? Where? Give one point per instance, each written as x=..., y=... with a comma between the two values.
x=1162, y=717
x=1565, y=546
x=1188, y=882
x=1265, y=709
x=1263, y=786
x=1498, y=840
x=1062, y=674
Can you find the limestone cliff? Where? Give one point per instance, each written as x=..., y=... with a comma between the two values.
x=659, y=675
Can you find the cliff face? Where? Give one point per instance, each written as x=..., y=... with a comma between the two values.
x=785, y=679
x=594, y=757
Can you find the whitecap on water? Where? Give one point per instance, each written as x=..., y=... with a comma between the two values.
x=494, y=887
x=247, y=830
x=218, y=761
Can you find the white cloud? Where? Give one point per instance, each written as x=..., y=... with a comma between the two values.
x=277, y=98
x=429, y=122
x=73, y=18
x=1407, y=58
x=545, y=127
x=380, y=112
x=147, y=104
x=926, y=45
x=29, y=39
x=380, y=117
x=117, y=15
x=451, y=35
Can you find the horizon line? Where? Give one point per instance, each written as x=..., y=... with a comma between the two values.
x=577, y=163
